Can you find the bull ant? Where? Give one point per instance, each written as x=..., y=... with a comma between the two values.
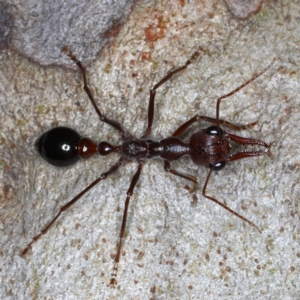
x=209, y=147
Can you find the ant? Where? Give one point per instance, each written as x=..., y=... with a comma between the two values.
x=210, y=147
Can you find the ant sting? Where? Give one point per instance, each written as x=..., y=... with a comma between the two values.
x=209, y=147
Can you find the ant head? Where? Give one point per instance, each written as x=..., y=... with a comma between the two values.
x=209, y=148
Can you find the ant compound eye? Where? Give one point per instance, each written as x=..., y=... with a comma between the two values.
x=218, y=166
x=213, y=130
x=59, y=146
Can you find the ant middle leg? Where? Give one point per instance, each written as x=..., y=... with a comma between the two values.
x=133, y=183
x=156, y=86
x=116, y=125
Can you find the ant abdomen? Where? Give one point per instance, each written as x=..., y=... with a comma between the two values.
x=59, y=146
x=63, y=147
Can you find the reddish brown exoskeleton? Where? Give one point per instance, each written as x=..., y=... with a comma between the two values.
x=210, y=147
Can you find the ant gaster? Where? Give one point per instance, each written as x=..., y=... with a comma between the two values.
x=210, y=147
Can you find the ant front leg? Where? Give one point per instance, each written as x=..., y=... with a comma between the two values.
x=156, y=86
x=217, y=120
x=116, y=125
x=223, y=205
x=133, y=183
x=181, y=129
x=228, y=124
x=238, y=89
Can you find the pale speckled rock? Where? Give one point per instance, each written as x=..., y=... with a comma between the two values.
x=243, y=9
x=42, y=28
x=193, y=249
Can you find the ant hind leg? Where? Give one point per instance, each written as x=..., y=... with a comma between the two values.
x=116, y=125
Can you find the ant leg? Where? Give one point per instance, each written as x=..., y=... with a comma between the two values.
x=223, y=205
x=103, y=176
x=167, y=167
x=112, y=123
x=239, y=88
x=133, y=183
x=228, y=124
x=181, y=129
x=217, y=120
x=156, y=86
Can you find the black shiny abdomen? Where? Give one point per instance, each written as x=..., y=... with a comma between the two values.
x=59, y=146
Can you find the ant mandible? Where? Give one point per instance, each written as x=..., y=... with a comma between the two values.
x=210, y=147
